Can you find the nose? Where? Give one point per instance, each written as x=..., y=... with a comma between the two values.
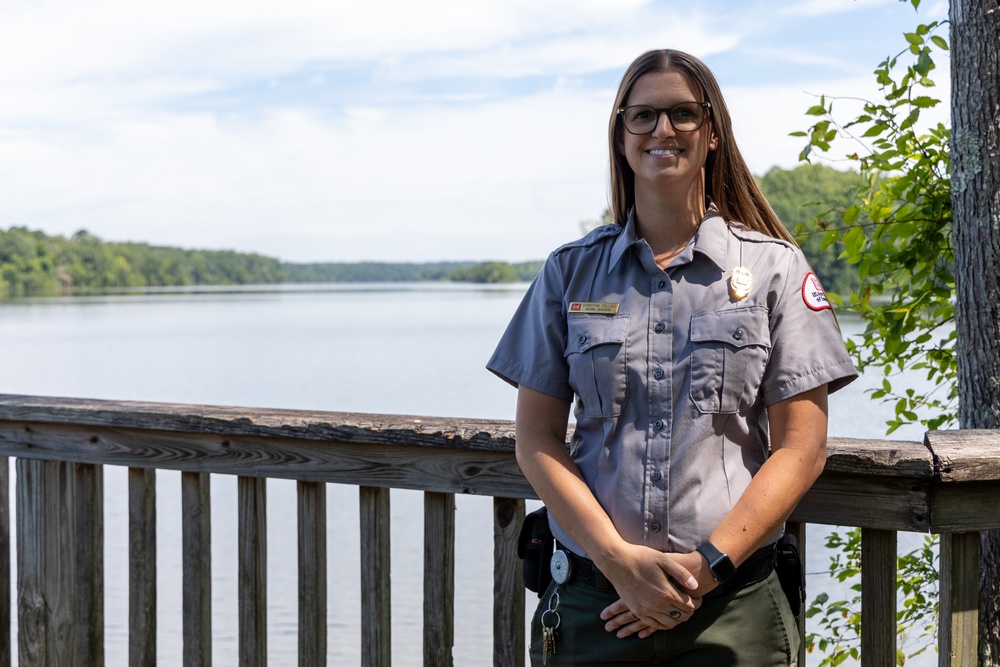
x=663, y=128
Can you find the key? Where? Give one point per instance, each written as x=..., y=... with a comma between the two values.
x=550, y=621
x=548, y=644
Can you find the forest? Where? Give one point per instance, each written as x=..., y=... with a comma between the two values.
x=35, y=264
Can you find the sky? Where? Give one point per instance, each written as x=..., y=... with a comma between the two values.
x=385, y=130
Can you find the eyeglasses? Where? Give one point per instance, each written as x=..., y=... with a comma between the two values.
x=683, y=117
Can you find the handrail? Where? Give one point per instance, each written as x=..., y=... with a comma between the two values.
x=948, y=484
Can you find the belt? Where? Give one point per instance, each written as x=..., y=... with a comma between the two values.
x=753, y=570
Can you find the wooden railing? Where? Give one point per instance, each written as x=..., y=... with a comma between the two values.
x=949, y=484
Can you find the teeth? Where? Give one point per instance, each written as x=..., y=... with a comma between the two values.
x=665, y=151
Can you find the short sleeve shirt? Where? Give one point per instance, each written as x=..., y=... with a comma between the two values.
x=670, y=373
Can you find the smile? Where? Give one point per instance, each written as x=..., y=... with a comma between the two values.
x=665, y=151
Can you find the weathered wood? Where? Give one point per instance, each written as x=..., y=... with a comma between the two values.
x=312, y=573
x=376, y=599
x=53, y=588
x=446, y=469
x=413, y=431
x=508, y=584
x=880, y=458
x=798, y=531
x=889, y=503
x=142, y=567
x=964, y=507
x=967, y=455
x=878, y=597
x=196, y=526
x=89, y=523
x=959, y=600
x=439, y=579
x=5, y=636
x=252, y=535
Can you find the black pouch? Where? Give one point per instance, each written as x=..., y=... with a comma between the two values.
x=535, y=545
x=788, y=564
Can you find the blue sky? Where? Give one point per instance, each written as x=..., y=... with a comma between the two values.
x=383, y=130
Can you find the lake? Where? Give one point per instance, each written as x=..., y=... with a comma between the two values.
x=417, y=349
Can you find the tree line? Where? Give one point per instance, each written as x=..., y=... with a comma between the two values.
x=34, y=263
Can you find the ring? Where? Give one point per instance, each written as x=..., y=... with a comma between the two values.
x=674, y=614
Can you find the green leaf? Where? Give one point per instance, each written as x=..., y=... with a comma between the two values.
x=913, y=38
x=940, y=42
x=924, y=102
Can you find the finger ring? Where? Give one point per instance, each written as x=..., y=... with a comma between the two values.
x=674, y=614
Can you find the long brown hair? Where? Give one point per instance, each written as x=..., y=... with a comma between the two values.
x=728, y=181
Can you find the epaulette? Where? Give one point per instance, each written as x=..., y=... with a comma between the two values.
x=593, y=237
x=745, y=234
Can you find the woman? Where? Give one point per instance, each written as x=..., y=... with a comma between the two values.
x=682, y=331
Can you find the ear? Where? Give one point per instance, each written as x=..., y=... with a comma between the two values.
x=713, y=142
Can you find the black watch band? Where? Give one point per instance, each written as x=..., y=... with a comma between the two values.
x=722, y=568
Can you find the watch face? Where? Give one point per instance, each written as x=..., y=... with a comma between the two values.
x=560, y=567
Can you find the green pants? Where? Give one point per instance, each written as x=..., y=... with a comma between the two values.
x=749, y=627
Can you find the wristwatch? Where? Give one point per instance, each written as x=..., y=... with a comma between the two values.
x=722, y=568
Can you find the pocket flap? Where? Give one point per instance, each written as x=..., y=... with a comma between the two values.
x=587, y=331
x=738, y=327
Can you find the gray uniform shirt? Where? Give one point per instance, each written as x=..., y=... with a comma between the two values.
x=671, y=373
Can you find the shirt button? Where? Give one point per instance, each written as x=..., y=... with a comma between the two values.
x=662, y=284
x=658, y=424
x=659, y=327
x=581, y=340
x=658, y=374
x=738, y=334
x=656, y=476
x=655, y=527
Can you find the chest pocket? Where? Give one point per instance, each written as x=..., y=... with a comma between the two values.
x=596, y=354
x=730, y=350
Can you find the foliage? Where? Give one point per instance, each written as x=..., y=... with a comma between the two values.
x=796, y=195
x=898, y=234
x=838, y=636
x=331, y=272
x=32, y=263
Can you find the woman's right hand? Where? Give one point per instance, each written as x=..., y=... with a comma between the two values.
x=655, y=590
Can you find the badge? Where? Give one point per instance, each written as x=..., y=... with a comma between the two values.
x=740, y=283
x=813, y=294
x=594, y=307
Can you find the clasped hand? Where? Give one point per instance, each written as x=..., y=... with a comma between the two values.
x=659, y=591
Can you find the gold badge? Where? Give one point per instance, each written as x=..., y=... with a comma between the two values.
x=740, y=283
x=594, y=307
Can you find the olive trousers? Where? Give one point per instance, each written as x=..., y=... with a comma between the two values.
x=747, y=627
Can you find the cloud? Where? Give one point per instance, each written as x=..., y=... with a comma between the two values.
x=334, y=131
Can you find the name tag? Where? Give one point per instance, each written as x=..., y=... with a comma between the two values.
x=594, y=307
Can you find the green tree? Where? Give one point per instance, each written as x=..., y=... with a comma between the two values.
x=801, y=197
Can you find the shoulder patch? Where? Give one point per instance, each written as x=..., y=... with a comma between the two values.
x=813, y=294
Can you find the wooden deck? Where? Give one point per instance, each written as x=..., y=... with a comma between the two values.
x=948, y=484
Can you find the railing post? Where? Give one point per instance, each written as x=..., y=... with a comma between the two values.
x=508, y=584
x=439, y=579
x=59, y=568
x=5, y=644
x=312, y=573
x=196, y=525
x=958, y=628
x=142, y=567
x=878, y=597
x=376, y=598
x=252, y=493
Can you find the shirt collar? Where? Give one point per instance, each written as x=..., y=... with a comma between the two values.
x=709, y=240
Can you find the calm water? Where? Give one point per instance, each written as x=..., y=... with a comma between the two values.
x=404, y=349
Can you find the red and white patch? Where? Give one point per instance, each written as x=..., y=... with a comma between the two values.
x=813, y=294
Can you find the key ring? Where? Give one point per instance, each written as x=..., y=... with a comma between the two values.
x=553, y=612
